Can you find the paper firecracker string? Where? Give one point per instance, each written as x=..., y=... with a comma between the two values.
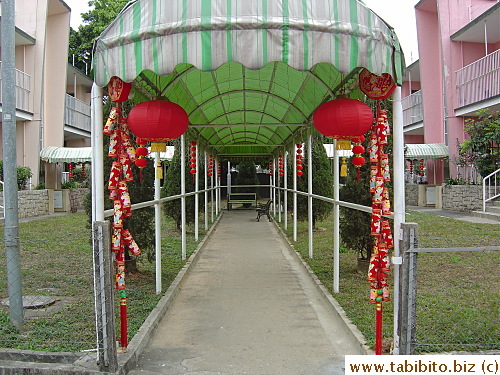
x=380, y=228
x=281, y=166
x=120, y=148
x=210, y=166
x=192, y=160
x=300, y=161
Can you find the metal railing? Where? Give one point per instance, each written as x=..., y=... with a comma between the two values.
x=490, y=188
x=413, y=110
x=480, y=80
x=77, y=114
x=23, y=84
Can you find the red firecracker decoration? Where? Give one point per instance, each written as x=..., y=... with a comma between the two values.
x=271, y=168
x=343, y=118
x=421, y=171
x=158, y=121
x=219, y=169
x=358, y=161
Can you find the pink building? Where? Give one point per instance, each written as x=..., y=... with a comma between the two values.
x=458, y=73
x=52, y=97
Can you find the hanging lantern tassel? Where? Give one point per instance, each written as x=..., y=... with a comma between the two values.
x=159, y=170
x=343, y=168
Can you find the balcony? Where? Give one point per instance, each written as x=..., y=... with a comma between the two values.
x=413, y=110
x=77, y=115
x=23, y=84
x=479, y=82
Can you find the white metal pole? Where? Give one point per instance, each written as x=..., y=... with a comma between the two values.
x=196, y=197
x=183, y=198
x=399, y=200
x=212, y=190
x=336, y=220
x=157, y=227
x=97, y=146
x=279, y=193
x=295, y=193
x=286, y=192
x=275, y=164
x=217, y=184
x=205, y=211
x=310, y=190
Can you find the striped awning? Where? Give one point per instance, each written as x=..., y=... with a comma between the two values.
x=52, y=154
x=426, y=151
x=157, y=35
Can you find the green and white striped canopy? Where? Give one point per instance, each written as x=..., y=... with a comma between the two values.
x=250, y=73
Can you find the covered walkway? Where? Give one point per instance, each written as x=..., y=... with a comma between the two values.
x=248, y=306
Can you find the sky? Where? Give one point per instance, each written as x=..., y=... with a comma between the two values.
x=400, y=14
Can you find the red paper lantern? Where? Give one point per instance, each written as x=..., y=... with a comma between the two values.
x=358, y=149
x=141, y=163
x=343, y=118
x=141, y=151
x=158, y=120
x=118, y=90
x=358, y=161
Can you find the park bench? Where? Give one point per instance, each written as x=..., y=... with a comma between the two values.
x=263, y=209
x=241, y=198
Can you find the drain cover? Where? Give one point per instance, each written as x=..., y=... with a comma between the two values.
x=34, y=302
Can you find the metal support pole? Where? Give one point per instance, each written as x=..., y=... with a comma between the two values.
x=157, y=227
x=286, y=192
x=399, y=200
x=408, y=288
x=97, y=154
x=183, y=198
x=104, y=302
x=336, y=220
x=295, y=193
x=205, y=211
x=212, y=190
x=310, y=191
x=196, y=197
x=274, y=185
x=11, y=229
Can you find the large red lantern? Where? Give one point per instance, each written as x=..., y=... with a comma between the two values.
x=158, y=120
x=343, y=118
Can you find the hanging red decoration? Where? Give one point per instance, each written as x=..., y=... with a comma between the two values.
x=210, y=166
x=158, y=121
x=118, y=90
x=374, y=86
x=421, y=171
x=193, y=159
x=299, y=160
x=70, y=169
x=343, y=118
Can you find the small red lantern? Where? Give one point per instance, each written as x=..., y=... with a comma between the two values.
x=358, y=149
x=343, y=118
x=158, y=121
x=118, y=90
x=141, y=163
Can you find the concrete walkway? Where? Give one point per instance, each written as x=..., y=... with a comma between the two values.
x=248, y=307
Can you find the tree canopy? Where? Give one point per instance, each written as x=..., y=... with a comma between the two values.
x=81, y=41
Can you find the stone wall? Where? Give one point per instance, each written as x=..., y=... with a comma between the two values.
x=464, y=198
x=32, y=203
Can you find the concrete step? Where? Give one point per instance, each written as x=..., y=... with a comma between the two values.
x=493, y=209
x=486, y=215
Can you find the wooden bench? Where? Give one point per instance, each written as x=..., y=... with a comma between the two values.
x=241, y=198
x=263, y=209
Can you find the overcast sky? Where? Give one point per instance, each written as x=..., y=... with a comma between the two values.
x=400, y=14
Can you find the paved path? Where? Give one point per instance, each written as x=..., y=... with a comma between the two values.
x=248, y=307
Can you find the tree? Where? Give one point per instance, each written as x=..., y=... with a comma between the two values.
x=482, y=149
x=172, y=186
x=322, y=182
x=81, y=41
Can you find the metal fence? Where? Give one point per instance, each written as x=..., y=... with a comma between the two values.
x=449, y=294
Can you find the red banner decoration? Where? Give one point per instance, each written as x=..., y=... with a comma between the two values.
x=374, y=86
x=118, y=90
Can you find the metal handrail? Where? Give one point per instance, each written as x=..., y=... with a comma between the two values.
x=488, y=186
x=3, y=201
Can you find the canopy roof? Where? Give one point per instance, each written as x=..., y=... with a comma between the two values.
x=426, y=151
x=53, y=154
x=249, y=73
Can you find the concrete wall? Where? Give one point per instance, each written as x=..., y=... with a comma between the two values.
x=411, y=195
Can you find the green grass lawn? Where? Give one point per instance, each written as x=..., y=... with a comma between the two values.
x=457, y=302
x=56, y=257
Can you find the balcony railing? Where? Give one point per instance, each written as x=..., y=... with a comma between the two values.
x=23, y=84
x=480, y=80
x=413, y=110
x=77, y=114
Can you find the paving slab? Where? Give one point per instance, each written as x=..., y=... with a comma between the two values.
x=248, y=307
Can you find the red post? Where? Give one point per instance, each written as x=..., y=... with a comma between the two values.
x=378, y=329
